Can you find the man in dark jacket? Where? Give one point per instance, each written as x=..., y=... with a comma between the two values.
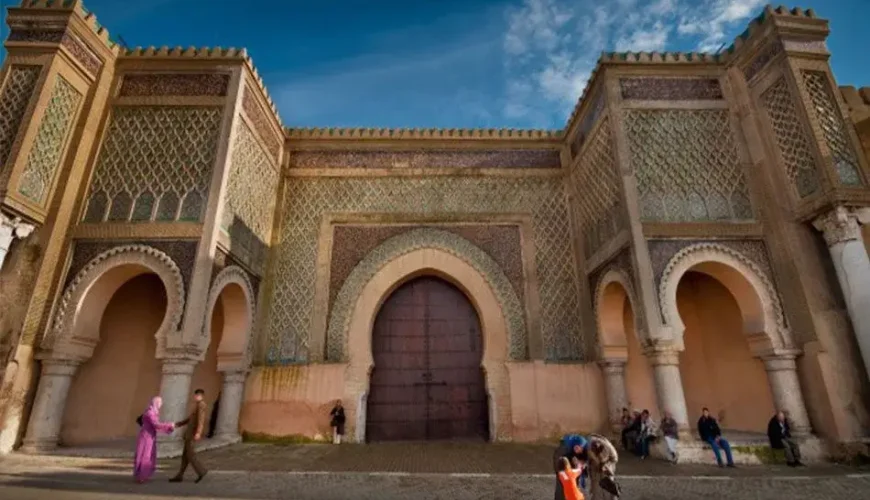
x=709, y=432
x=779, y=434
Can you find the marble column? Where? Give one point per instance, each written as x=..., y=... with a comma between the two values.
x=669, y=384
x=175, y=391
x=617, y=397
x=11, y=229
x=43, y=431
x=786, y=389
x=232, y=396
x=843, y=235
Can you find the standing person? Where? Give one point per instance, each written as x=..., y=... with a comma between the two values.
x=192, y=434
x=670, y=431
x=568, y=479
x=601, y=467
x=572, y=448
x=779, y=434
x=336, y=421
x=212, y=421
x=145, y=460
x=709, y=432
x=647, y=434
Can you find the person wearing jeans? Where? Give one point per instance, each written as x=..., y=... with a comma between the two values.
x=670, y=431
x=647, y=434
x=709, y=432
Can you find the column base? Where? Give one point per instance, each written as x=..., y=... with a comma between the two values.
x=38, y=446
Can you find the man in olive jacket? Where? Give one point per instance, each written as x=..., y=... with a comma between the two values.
x=193, y=433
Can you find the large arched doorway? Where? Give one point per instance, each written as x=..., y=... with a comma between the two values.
x=115, y=385
x=718, y=369
x=427, y=382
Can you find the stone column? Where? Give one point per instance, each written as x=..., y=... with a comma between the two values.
x=617, y=397
x=43, y=431
x=175, y=391
x=9, y=230
x=669, y=384
x=785, y=386
x=232, y=396
x=843, y=235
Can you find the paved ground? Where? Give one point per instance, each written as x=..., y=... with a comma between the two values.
x=422, y=472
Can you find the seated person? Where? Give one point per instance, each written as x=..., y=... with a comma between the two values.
x=779, y=434
x=709, y=432
x=646, y=435
x=630, y=429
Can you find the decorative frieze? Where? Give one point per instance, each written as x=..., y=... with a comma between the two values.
x=427, y=158
x=760, y=61
x=589, y=120
x=670, y=89
x=261, y=125
x=76, y=47
x=174, y=84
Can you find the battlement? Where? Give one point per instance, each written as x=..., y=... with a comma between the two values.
x=210, y=53
x=421, y=133
x=858, y=102
x=71, y=6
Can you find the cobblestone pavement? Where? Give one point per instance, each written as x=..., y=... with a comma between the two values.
x=421, y=472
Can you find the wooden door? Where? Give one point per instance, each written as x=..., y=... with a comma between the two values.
x=427, y=382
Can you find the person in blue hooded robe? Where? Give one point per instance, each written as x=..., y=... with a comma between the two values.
x=572, y=447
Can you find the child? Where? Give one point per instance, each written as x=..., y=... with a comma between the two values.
x=337, y=422
x=568, y=478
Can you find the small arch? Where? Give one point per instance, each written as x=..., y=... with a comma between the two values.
x=760, y=308
x=233, y=289
x=437, y=262
x=75, y=330
x=612, y=293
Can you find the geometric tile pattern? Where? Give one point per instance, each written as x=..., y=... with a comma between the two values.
x=427, y=158
x=833, y=127
x=687, y=166
x=13, y=103
x=666, y=89
x=252, y=188
x=594, y=187
x=155, y=164
x=307, y=200
x=792, y=139
x=45, y=155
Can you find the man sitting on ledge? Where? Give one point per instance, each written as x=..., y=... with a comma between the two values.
x=709, y=432
x=779, y=434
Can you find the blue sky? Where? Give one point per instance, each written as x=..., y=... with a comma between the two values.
x=450, y=63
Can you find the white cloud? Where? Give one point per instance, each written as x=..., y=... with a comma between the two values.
x=551, y=46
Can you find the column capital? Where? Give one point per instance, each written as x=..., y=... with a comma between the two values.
x=662, y=354
x=780, y=360
x=16, y=226
x=175, y=366
x=235, y=376
x=59, y=367
x=839, y=225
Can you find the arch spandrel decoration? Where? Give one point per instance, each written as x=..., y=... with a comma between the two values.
x=763, y=318
x=416, y=239
x=59, y=337
x=228, y=276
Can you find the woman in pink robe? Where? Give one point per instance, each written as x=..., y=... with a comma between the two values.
x=145, y=461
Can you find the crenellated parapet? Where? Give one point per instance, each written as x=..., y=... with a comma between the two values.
x=420, y=133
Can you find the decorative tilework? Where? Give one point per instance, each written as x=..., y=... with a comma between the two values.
x=351, y=243
x=307, y=200
x=595, y=110
x=249, y=204
x=47, y=36
x=174, y=84
x=670, y=89
x=261, y=125
x=829, y=117
x=405, y=243
x=427, y=158
x=593, y=184
x=13, y=103
x=792, y=140
x=165, y=152
x=45, y=156
x=81, y=53
x=687, y=166
x=761, y=60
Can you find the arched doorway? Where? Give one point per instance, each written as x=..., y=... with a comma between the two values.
x=427, y=382
x=717, y=367
x=115, y=385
